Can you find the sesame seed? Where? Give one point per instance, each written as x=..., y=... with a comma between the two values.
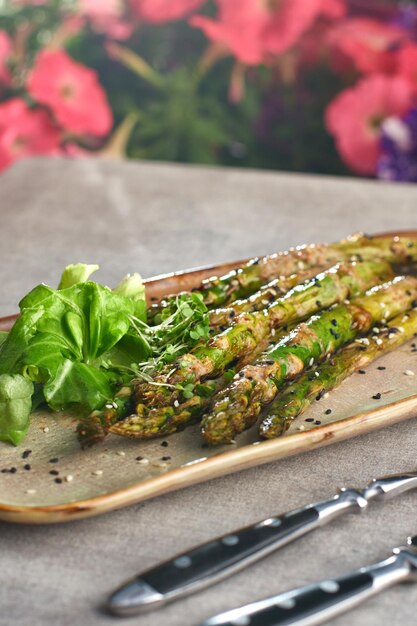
x=361, y=372
x=176, y=404
x=165, y=458
x=69, y=478
x=164, y=444
x=309, y=419
x=401, y=329
x=378, y=341
x=109, y=405
x=317, y=422
x=27, y=467
x=381, y=368
x=144, y=461
x=375, y=330
x=54, y=460
x=121, y=453
x=58, y=480
x=302, y=427
x=405, y=318
x=311, y=362
x=409, y=373
x=26, y=453
x=273, y=332
x=377, y=396
x=326, y=395
x=54, y=472
x=46, y=429
x=327, y=411
x=30, y=491
x=97, y=473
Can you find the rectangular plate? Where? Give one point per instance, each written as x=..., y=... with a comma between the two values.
x=122, y=471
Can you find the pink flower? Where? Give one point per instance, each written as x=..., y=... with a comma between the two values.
x=106, y=16
x=355, y=116
x=158, y=11
x=24, y=132
x=71, y=91
x=5, y=52
x=254, y=29
x=407, y=63
x=369, y=45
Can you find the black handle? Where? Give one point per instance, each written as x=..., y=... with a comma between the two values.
x=319, y=601
x=212, y=560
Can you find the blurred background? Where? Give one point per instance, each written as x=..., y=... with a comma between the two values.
x=322, y=86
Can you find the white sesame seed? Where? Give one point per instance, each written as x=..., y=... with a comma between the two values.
x=378, y=341
x=375, y=330
x=69, y=478
x=144, y=462
x=121, y=453
x=109, y=405
x=302, y=427
x=97, y=473
x=409, y=373
x=273, y=332
x=383, y=305
x=326, y=395
x=405, y=318
x=301, y=265
x=30, y=491
x=346, y=301
x=176, y=404
x=401, y=329
x=316, y=374
x=311, y=362
x=383, y=321
x=46, y=429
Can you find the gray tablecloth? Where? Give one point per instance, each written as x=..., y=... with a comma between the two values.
x=155, y=218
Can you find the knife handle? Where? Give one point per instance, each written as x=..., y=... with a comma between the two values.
x=317, y=603
x=217, y=559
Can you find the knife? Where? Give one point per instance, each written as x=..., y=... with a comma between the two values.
x=319, y=602
x=211, y=562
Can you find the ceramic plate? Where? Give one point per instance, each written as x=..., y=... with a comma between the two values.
x=55, y=481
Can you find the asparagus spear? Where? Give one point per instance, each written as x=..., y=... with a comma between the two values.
x=249, y=329
x=297, y=397
x=242, y=282
x=267, y=294
x=238, y=405
x=152, y=421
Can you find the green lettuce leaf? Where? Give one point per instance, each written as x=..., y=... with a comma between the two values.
x=15, y=407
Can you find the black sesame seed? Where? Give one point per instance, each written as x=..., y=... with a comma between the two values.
x=408, y=292
x=5, y=471
x=232, y=313
x=54, y=460
x=381, y=368
x=139, y=458
x=13, y=470
x=361, y=372
x=58, y=480
x=318, y=303
x=164, y=444
x=165, y=458
x=377, y=396
x=311, y=376
x=334, y=322
x=26, y=453
x=269, y=362
x=309, y=419
x=241, y=374
x=153, y=299
x=54, y=472
x=327, y=411
x=27, y=467
x=318, y=422
x=320, y=395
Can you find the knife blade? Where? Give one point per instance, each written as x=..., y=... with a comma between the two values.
x=211, y=562
x=319, y=602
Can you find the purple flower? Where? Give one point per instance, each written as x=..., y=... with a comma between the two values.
x=398, y=161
